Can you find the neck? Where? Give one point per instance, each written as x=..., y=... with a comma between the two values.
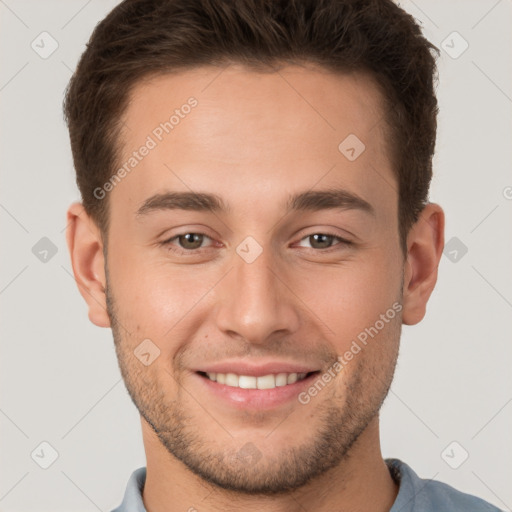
x=360, y=482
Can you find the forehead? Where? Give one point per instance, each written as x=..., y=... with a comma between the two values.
x=248, y=134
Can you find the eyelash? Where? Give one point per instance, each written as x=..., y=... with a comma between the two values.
x=168, y=243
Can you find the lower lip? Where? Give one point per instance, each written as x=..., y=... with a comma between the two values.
x=256, y=398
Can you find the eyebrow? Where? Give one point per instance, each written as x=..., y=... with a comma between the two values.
x=311, y=200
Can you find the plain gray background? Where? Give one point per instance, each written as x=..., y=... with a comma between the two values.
x=59, y=378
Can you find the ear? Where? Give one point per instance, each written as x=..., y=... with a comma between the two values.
x=425, y=243
x=86, y=250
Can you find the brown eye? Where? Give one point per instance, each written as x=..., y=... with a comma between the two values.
x=190, y=241
x=186, y=243
x=321, y=241
x=324, y=241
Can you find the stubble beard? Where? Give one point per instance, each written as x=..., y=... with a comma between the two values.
x=337, y=426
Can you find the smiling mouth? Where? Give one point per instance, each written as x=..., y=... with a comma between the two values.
x=270, y=381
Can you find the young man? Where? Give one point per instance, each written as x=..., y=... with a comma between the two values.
x=255, y=230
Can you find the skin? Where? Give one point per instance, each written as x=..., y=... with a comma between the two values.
x=253, y=140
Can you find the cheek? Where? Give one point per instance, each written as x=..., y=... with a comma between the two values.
x=162, y=303
x=351, y=298
x=148, y=299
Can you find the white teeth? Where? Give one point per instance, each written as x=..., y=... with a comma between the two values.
x=232, y=379
x=251, y=382
x=292, y=378
x=281, y=379
x=266, y=382
x=246, y=382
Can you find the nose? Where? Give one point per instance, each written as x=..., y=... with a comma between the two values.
x=256, y=301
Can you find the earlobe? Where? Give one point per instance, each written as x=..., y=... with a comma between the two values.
x=86, y=250
x=425, y=244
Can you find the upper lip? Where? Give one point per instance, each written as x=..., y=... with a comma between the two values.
x=254, y=369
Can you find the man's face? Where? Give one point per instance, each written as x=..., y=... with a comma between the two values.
x=256, y=290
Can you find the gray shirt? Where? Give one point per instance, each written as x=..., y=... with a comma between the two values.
x=415, y=494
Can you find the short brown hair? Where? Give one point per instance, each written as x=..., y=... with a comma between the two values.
x=141, y=38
